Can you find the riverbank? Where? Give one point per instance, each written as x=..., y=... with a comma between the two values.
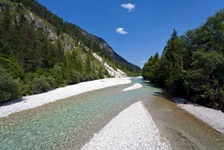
x=212, y=117
x=33, y=101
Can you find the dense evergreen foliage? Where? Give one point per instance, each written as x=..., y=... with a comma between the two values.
x=192, y=65
x=31, y=62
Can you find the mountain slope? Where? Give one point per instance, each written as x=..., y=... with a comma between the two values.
x=39, y=52
x=91, y=41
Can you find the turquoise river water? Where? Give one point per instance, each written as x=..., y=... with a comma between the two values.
x=72, y=122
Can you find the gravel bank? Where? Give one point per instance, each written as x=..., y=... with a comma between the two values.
x=33, y=101
x=135, y=86
x=215, y=118
x=132, y=129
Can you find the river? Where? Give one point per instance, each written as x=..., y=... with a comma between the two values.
x=70, y=123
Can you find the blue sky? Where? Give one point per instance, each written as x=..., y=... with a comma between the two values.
x=148, y=24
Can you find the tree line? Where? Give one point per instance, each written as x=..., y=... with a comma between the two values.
x=192, y=65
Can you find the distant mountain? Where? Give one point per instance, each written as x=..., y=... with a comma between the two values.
x=39, y=52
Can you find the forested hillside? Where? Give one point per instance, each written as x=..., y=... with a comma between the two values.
x=192, y=65
x=39, y=51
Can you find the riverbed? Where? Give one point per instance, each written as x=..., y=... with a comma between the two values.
x=72, y=122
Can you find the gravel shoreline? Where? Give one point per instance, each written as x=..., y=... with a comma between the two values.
x=214, y=118
x=33, y=101
x=131, y=129
x=135, y=86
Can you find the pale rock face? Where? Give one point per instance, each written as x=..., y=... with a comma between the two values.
x=104, y=45
x=39, y=23
x=31, y=15
x=114, y=73
x=68, y=43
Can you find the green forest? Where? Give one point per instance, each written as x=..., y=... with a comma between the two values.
x=192, y=65
x=31, y=62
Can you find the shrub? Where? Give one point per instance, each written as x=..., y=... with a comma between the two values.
x=27, y=84
x=8, y=86
x=52, y=82
x=40, y=85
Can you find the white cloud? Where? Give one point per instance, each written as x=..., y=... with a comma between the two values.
x=128, y=6
x=121, y=31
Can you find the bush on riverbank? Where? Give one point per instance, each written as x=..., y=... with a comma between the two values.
x=8, y=86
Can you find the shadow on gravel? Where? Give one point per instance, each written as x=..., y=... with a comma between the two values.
x=6, y=103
